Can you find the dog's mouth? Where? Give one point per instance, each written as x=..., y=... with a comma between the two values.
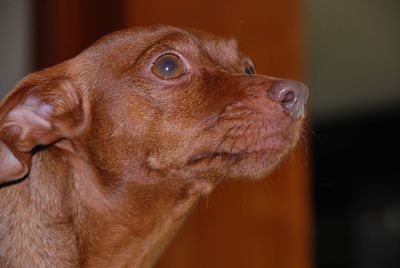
x=256, y=152
x=213, y=155
x=232, y=157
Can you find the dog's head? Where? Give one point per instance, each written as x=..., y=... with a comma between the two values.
x=151, y=103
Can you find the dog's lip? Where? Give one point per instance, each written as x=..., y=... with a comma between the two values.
x=236, y=155
x=230, y=156
x=211, y=155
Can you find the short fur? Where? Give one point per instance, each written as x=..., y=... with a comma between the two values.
x=101, y=160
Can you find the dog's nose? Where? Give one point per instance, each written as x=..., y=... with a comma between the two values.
x=291, y=95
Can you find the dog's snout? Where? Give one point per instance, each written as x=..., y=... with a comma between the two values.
x=291, y=95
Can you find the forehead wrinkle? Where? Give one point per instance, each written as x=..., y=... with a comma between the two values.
x=224, y=51
x=140, y=41
x=179, y=40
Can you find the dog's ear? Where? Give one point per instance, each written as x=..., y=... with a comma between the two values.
x=44, y=108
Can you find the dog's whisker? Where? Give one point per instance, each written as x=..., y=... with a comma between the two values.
x=235, y=130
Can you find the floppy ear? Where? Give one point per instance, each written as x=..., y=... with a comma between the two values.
x=41, y=110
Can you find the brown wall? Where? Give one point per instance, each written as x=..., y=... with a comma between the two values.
x=244, y=224
x=63, y=28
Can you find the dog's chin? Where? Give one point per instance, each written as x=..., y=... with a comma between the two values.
x=256, y=165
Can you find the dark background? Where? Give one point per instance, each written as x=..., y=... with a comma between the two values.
x=354, y=75
x=357, y=191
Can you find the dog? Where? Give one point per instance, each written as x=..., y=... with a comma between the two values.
x=103, y=156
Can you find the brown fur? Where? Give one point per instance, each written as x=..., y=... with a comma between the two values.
x=102, y=160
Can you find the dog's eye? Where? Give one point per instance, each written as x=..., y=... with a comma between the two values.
x=168, y=66
x=249, y=68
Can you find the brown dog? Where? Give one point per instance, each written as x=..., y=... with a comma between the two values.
x=102, y=156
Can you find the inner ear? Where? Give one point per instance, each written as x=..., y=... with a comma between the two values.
x=44, y=115
x=30, y=124
x=40, y=111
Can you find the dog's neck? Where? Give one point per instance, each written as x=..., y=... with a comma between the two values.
x=68, y=219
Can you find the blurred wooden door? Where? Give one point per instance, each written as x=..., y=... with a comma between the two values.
x=244, y=224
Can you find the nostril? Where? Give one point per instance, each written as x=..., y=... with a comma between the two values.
x=291, y=95
x=283, y=93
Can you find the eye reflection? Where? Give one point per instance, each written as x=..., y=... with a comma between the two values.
x=168, y=66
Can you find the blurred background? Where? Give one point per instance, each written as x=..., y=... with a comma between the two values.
x=336, y=201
